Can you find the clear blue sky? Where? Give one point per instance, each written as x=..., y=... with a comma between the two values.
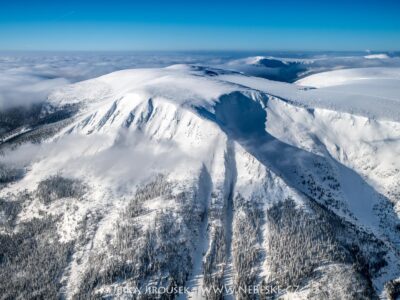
x=200, y=25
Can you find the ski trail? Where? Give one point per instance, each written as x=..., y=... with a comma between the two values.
x=195, y=283
x=232, y=174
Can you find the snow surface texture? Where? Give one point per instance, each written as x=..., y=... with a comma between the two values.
x=205, y=178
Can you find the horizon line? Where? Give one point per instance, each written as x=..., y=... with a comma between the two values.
x=199, y=50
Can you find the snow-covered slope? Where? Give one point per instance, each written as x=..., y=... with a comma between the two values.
x=369, y=92
x=203, y=178
x=281, y=69
x=365, y=76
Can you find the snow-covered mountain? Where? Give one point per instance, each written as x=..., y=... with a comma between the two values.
x=290, y=68
x=206, y=179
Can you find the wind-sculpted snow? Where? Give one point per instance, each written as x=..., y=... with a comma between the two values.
x=200, y=178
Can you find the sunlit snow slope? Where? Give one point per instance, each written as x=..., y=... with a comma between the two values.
x=204, y=178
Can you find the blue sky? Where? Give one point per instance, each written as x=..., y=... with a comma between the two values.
x=200, y=25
